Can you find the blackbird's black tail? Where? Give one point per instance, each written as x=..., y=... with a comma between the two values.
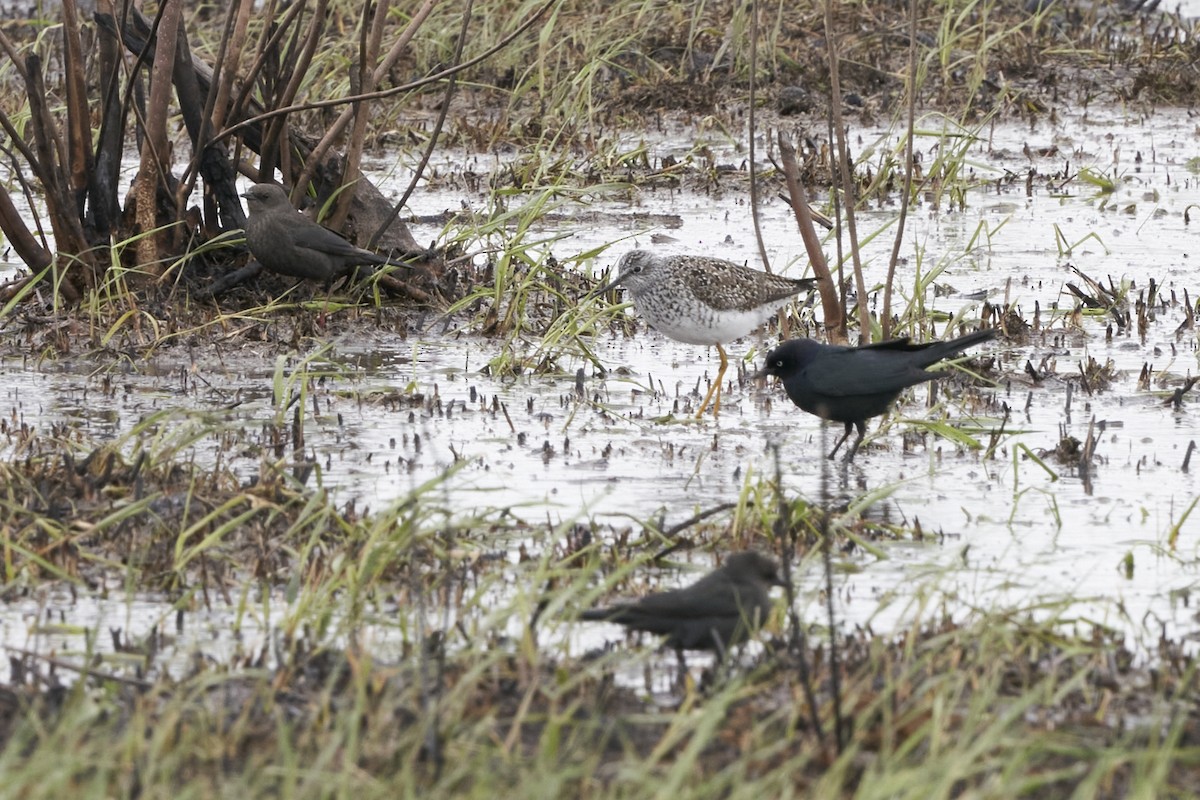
x=614, y=614
x=936, y=351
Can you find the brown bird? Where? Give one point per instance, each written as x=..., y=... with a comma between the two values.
x=289, y=243
x=717, y=611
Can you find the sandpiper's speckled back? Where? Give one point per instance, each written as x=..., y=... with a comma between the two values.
x=703, y=300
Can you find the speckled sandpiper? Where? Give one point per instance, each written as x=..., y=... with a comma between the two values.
x=703, y=300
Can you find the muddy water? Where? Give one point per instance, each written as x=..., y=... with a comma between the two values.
x=1001, y=531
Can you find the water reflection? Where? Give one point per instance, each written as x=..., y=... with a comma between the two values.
x=393, y=413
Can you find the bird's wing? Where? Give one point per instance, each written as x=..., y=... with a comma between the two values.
x=688, y=606
x=925, y=354
x=699, y=277
x=713, y=595
x=314, y=237
x=703, y=275
x=863, y=371
x=634, y=615
x=726, y=286
x=900, y=345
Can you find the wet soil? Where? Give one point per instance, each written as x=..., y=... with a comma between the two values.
x=1059, y=471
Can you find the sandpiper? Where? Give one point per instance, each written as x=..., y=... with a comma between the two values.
x=703, y=300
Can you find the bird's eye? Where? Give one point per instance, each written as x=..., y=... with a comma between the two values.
x=637, y=269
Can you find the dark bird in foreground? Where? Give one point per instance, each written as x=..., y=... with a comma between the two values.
x=285, y=241
x=714, y=613
x=852, y=384
x=702, y=300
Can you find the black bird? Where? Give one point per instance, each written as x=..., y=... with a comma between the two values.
x=285, y=241
x=717, y=611
x=853, y=384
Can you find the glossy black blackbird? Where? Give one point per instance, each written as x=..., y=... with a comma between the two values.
x=853, y=384
x=285, y=241
x=717, y=611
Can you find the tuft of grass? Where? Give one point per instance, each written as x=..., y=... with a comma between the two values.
x=402, y=647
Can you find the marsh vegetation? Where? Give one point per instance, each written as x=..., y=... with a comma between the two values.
x=263, y=537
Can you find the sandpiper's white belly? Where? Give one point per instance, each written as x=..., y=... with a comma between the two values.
x=696, y=323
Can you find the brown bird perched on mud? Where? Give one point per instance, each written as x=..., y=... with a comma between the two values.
x=717, y=611
x=289, y=243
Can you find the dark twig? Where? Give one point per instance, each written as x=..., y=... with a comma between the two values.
x=758, y=236
x=831, y=308
x=394, y=90
x=835, y=684
x=841, y=172
x=835, y=681
x=906, y=193
x=451, y=84
x=82, y=670
x=675, y=530
x=1176, y=399
x=431, y=749
x=796, y=641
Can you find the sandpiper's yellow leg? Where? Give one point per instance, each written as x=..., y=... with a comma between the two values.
x=716, y=387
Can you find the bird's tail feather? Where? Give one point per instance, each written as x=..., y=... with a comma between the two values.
x=939, y=350
x=602, y=614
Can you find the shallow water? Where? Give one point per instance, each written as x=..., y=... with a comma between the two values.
x=999, y=532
